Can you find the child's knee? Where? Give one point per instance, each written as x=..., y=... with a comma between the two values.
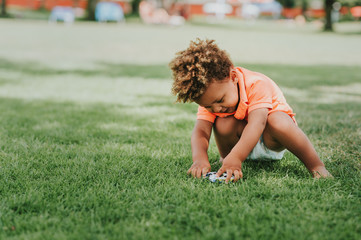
x=280, y=122
x=228, y=126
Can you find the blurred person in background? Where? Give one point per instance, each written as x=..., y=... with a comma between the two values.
x=151, y=14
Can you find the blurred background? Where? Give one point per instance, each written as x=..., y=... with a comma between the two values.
x=128, y=38
x=179, y=12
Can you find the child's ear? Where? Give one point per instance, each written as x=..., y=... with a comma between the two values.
x=233, y=76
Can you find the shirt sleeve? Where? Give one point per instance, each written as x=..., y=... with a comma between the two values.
x=260, y=95
x=203, y=114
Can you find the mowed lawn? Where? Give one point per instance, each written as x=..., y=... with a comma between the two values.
x=92, y=145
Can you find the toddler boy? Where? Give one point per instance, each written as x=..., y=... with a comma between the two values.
x=247, y=111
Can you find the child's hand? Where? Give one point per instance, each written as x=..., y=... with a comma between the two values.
x=321, y=172
x=199, y=168
x=232, y=166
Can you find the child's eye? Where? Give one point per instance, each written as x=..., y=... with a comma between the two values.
x=219, y=101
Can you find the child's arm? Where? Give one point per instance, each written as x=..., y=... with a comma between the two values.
x=200, y=142
x=232, y=164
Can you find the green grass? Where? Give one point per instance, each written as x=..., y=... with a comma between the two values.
x=97, y=149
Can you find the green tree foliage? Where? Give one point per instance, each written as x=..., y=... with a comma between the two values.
x=287, y=3
x=302, y=3
x=350, y=3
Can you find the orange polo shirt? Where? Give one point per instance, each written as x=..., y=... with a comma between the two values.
x=255, y=91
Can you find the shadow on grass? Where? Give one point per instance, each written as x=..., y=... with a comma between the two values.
x=282, y=168
x=252, y=169
x=284, y=75
x=305, y=77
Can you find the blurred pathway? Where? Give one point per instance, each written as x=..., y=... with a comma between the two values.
x=84, y=45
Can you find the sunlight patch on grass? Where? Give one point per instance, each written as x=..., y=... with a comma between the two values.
x=182, y=116
x=118, y=127
x=151, y=111
x=133, y=148
x=353, y=89
x=122, y=90
x=325, y=94
x=9, y=77
x=47, y=125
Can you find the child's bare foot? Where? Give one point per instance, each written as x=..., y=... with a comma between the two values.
x=321, y=172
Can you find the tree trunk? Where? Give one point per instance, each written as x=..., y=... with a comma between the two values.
x=135, y=7
x=328, y=11
x=3, y=8
x=91, y=9
x=304, y=7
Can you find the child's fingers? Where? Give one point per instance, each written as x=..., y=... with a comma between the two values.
x=229, y=175
x=199, y=173
x=191, y=171
x=237, y=175
x=194, y=172
x=204, y=171
x=220, y=172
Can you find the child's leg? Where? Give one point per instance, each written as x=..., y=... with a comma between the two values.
x=281, y=132
x=227, y=132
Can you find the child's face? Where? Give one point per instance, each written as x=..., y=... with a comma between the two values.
x=220, y=96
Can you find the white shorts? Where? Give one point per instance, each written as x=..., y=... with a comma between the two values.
x=261, y=152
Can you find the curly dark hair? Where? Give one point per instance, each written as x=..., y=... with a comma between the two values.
x=194, y=68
